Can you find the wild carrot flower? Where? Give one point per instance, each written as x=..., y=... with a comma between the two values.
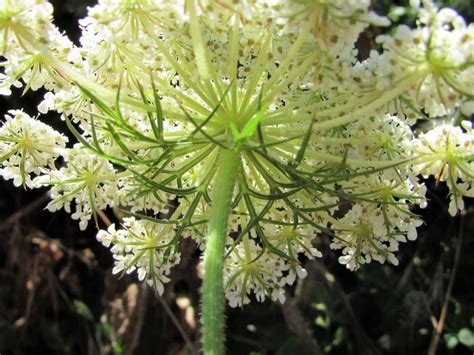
x=28, y=147
x=261, y=106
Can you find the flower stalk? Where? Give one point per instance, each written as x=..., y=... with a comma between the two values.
x=213, y=286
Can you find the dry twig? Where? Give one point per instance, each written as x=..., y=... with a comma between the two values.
x=444, y=310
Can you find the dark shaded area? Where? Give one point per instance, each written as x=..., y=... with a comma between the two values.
x=58, y=296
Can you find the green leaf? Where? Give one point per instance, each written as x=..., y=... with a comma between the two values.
x=253, y=221
x=396, y=12
x=451, y=341
x=466, y=337
x=250, y=127
x=322, y=322
x=92, y=204
x=156, y=125
x=78, y=136
x=162, y=186
x=266, y=145
x=253, y=124
x=115, y=115
x=122, y=145
x=187, y=218
x=199, y=128
x=260, y=233
x=98, y=102
x=9, y=154
x=158, y=111
x=83, y=310
x=149, y=218
x=339, y=336
x=321, y=307
x=94, y=136
x=272, y=196
x=304, y=144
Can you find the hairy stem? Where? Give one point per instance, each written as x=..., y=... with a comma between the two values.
x=213, y=285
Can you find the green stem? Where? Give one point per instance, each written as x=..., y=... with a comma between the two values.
x=213, y=284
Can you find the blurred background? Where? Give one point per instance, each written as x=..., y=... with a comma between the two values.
x=58, y=296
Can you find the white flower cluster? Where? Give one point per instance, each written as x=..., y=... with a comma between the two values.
x=369, y=233
x=27, y=147
x=87, y=180
x=248, y=269
x=446, y=152
x=28, y=40
x=439, y=53
x=143, y=247
x=251, y=269
x=159, y=90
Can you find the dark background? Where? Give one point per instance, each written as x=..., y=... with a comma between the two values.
x=57, y=294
